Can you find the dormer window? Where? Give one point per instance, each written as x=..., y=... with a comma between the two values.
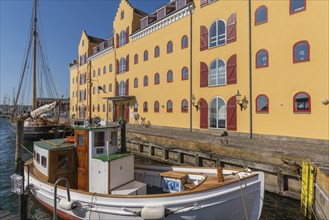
x=180, y=4
x=161, y=13
x=144, y=22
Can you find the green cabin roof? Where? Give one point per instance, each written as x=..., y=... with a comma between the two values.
x=107, y=158
x=54, y=144
x=90, y=128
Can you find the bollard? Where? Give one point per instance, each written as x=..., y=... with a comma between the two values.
x=123, y=136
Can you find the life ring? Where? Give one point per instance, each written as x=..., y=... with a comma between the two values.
x=69, y=139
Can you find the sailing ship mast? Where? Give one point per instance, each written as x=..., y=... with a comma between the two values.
x=34, y=101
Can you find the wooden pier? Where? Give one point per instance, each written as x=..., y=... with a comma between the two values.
x=6, y=215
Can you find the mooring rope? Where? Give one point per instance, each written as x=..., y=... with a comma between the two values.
x=26, y=149
x=242, y=194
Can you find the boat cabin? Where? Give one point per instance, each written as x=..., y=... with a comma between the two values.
x=91, y=161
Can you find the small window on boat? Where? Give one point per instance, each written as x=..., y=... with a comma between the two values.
x=99, y=150
x=38, y=157
x=81, y=140
x=44, y=161
x=62, y=162
x=114, y=138
x=99, y=139
x=34, y=155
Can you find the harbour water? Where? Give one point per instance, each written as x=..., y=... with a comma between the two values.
x=275, y=207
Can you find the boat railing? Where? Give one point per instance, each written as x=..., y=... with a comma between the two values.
x=55, y=195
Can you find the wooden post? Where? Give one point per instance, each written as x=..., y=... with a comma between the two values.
x=20, y=165
x=220, y=177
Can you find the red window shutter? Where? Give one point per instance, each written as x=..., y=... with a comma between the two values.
x=117, y=40
x=127, y=63
x=231, y=28
x=116, y=113
x=127, y=87
x=203, y=2
x=231, y=114
x=231, y=70
x=203, y=75
x=127, y=35
x=136, y=59
x=203, y=113
x=117, y=66
x=116, y=88
x=203, y=38
x=127, y=112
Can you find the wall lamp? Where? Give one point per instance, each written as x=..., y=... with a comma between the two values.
x=325, y=101
x=197, y=104
x=243, y=103
x=101, y=88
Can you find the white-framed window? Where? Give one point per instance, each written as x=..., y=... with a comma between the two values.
x=122, y=68
x=122, y=89
x=217, y=33
x=122, y=38
x=217, y=113
x=217, y=73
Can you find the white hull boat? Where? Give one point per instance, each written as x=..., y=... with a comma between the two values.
x=112, y=187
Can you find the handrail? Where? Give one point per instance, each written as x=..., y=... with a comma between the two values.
x=55, y=195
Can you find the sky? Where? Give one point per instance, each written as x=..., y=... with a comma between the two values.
x=62, y=23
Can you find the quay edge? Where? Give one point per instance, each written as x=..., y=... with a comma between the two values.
x=280, y=160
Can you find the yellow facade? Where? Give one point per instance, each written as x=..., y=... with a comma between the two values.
x=280, y=80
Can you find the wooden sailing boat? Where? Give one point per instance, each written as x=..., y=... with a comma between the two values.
x=36, y=125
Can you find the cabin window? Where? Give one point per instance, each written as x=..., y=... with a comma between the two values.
x=38, y=157
x=62, y=162
x=99, y=139
x=114, y=138
x=44, y=161
x=81, y=137
x=34, y=155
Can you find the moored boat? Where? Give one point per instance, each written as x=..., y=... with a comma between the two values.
x=103, y=183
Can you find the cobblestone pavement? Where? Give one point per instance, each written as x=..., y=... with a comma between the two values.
x=299, y=149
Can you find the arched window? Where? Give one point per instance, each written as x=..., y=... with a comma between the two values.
x=302, y=102
x=217, y=73
x=184, y=73
x=94, y=90
x=146, y=81
x=170, y=76
x=169, y=106
x=146, y=55
x=217, y=34
x=136, y=82
x=184, y=42
x=110, y=68
x=122, y=38
x=217, y=113
x=157, y=51
x=122, y=89
x=156, y=106
x=136, y=59
x=93, y=108
x=104, y=69
x=262, y=104
x=261, y=15
x=104, y=107
x=157, y=78
x=110, y=107
x=262, y=59
x=110, y=87
x=297, y=6
x=135, y=107
x=145, y=107
x=122, y=65
x=104, y=88
x=94, y=73
x=169, y=47
x=184, y=106
x=301, y=51
x=99, y=71
x=98, y=108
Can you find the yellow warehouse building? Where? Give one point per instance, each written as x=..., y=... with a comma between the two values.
x=246, y=67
